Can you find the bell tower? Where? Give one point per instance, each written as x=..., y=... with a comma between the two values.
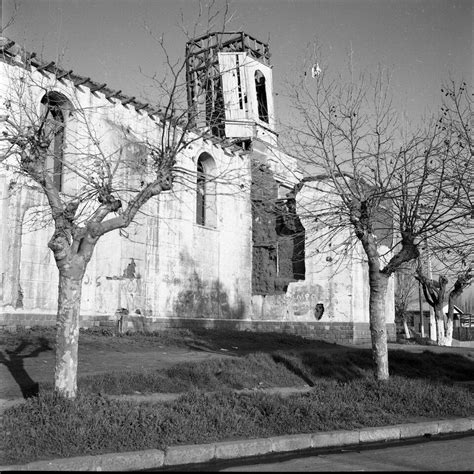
x=230, y=86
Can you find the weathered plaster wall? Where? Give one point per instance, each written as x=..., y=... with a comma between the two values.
x=206, y=270
x=340, y=270
x=38, y=277
x=28, y=271
x=165, y=269
x=339, y=282
x=164, y=264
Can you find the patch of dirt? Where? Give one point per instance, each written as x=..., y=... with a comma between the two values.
x=24, y=370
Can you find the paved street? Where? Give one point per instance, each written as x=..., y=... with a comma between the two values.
x=442, y=455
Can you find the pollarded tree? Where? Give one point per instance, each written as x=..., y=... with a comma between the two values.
x=404, y=290
x=438, y=294
x=51, y=129
x=103, y=202
x=383, y=184
x=451, y=249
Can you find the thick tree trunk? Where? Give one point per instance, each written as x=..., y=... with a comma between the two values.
x=407, y=330
x=378, y=330
x=434, y=294
x=449, y=332
x=67, y=337
x=440, y=326
x=433, y=331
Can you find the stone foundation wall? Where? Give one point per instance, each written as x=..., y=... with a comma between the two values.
x=28, y=320
x=337, y=332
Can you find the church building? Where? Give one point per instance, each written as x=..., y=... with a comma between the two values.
x=231, y=245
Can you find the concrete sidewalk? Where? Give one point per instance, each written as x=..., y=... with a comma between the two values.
x=182, y=455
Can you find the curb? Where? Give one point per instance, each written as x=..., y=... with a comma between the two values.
x=225, y=450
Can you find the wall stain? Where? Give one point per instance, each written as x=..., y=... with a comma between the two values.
x=206, y=300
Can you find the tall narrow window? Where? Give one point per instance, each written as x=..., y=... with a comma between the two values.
x=205, y=191
x=239, y=82
x=55, y=109
x=201, y=195
x=261, y=96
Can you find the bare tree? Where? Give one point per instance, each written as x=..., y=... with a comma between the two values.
x=437, y=293
x=389, y=187
x=452, y=248
x=452, y=261
x=115, y=183
x=7, y=22
x=404, y=290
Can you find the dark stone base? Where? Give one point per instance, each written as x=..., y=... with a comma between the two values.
x=28, y=320
x=337, y=332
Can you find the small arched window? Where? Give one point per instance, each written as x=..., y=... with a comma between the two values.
x=55, y=109
x=205, y=191
x=261, y=96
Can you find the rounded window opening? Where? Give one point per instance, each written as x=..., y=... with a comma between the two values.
x=55, y=110
x=260, y=88
x=206, y=191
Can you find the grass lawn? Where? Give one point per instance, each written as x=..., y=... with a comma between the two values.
x=344, y=394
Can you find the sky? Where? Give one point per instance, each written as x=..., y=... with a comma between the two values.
x=422, y=42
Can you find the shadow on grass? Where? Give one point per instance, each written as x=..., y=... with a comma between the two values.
x=293, y=367
x=352, y=364
x=13, y=360
x=245, y=342
x=309, y=360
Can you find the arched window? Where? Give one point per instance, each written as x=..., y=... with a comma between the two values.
x=55, y=109
x=205, y=191
x=261, y=96
x=201, y=195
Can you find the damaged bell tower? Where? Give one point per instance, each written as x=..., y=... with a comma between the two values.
x=230, y=92
x=229, y=86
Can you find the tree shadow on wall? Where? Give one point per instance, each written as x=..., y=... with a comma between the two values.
x=13, y=360
x=206, y=300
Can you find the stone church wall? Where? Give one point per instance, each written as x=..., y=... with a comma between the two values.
x=332, y=301
x=163, y=265
x=245, y=269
